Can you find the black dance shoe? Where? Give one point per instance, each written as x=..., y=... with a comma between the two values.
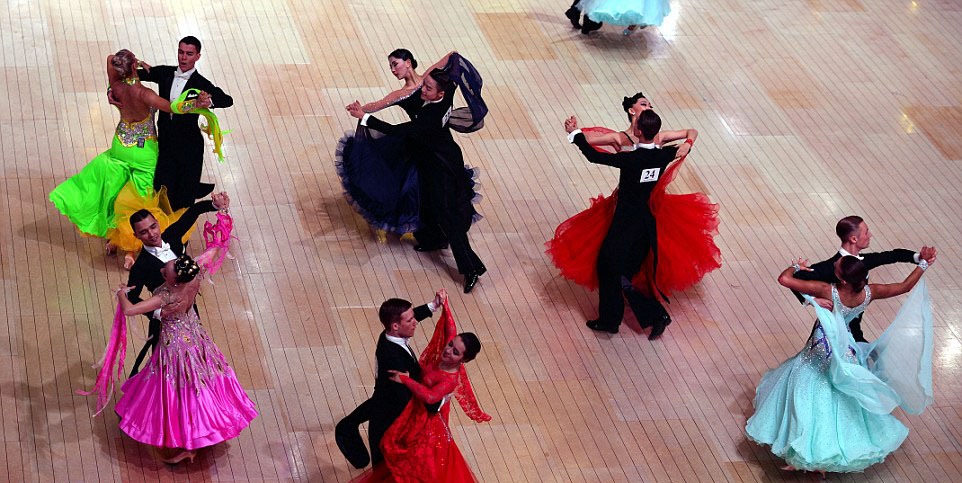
x=597, y=325
x=574, y=15
x=470, y=280
x=588, y=26
x=430, y=248
x=658, y=327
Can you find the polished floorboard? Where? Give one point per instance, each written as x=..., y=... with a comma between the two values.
x=808, y=111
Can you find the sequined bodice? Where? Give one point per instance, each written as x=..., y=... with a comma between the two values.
x=137, y=133
x=818, y=349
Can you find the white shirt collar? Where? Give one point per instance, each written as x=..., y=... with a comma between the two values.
x=845, y=253
x=432, y=102
x=186, y=75
x=401, y=341
x=163, y=252
x=646, y=146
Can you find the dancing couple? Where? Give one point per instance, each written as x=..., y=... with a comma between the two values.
x=408, y=412
x=187, y=397
x=146, y=167
x=628, y=13
x=640, y=243
x=828, y=408
x=412, y=176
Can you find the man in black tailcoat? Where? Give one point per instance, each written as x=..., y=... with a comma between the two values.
x=389, y=398
x=446, y=211
x=632, y=235
x=160, y=248
x=855, y=237
x=181, y=158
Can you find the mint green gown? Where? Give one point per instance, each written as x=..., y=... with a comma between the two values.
x=829, y=407
x=87, y=198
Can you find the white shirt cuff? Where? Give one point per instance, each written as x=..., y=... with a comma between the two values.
x=365, y=118
x=916, y=257
x=572, y=134
x=432, y=307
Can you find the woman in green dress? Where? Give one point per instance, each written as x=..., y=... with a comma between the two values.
x=88, y=197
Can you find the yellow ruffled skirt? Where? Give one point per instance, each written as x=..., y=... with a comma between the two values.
x=128, y=202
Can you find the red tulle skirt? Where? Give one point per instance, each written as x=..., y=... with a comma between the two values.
x=687, y=225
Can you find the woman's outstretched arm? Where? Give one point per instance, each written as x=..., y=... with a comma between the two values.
x=811, y=287
x=147, y=306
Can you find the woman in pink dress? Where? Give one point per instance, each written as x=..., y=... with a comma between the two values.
x=419, y=446
x=187, y=397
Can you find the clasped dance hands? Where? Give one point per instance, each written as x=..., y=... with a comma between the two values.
x=571, y=125
x=221, y=200
x=355, y=110
x=203, y=100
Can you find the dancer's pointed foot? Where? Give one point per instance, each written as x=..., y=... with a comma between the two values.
x=471, y=279
x=658, y=327
x=589, y=26
x=574, y=15
x=430, y=248
x=600, y=327
x=184, y=455
x=380, y=236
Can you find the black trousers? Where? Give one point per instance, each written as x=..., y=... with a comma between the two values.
x=153, y=335
x=446, y=218
x=179, y=167
x=617, y=265
x=436, y=233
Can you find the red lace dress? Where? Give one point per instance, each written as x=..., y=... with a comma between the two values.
x=419, y=446
x=687, y=225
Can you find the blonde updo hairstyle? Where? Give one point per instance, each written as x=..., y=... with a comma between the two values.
x=124, y=62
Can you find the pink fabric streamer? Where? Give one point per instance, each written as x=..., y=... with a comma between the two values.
x=218, y=236
x=116, y=351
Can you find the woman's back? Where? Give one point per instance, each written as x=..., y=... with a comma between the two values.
x=178, y=300
x=130, y=98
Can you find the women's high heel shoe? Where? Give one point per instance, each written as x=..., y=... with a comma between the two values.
x=184, y=455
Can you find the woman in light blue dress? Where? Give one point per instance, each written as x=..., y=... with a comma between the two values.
x=630, y=13
x=829, y=407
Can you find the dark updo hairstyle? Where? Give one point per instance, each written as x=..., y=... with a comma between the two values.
x=848, y=226
x=404, y=54
x=139, y=216
x=649, y=124
x=630, y=101
x=124, y=62
x=471, y=346
x=444, y=81
x=391, y=311
x=186, y=269
x=854, y=272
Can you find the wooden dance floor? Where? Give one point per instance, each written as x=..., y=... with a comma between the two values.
x=808, y=110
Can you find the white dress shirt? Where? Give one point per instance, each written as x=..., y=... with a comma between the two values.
x=163, y=252
x=180, y=81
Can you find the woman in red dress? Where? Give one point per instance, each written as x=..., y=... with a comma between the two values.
x=686, y=223
x=419, y=446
